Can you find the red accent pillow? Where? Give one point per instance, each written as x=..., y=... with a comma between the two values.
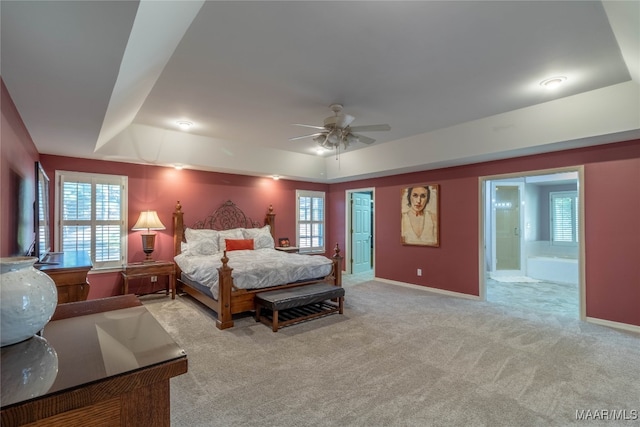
x=238, y=244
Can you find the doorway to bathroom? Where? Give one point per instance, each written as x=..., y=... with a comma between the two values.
x=532, y=253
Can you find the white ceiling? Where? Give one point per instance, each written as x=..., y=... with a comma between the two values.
x=458, y=82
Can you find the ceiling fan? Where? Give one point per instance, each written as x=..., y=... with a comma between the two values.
x=337, y=130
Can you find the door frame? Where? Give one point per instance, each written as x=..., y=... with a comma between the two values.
x=482, y=220
x=348, y=220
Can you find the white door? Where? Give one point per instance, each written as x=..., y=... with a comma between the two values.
x=361, y=236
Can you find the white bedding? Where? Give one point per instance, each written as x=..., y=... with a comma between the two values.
x=254, y=269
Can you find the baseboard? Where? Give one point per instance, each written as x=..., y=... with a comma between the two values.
x=612, y=324
x=428, y=289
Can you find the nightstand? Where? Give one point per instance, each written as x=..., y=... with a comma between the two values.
x=290, y=249
x=69, y=271
x=140, y=270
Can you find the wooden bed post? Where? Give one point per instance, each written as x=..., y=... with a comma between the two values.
x=271, y=220
x=178, y=237
x=225, y=319
x=337, y=266
x=178, y=229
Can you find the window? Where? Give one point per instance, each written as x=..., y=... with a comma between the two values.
x=564, y=217
x=91, y=216
x=310, y=220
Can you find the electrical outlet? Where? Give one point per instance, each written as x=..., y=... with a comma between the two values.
x=154, y=278
x=419, y=272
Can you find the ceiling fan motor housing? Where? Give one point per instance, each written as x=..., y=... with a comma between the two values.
x=339, y=121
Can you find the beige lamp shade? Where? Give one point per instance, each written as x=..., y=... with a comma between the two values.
x=148, y=220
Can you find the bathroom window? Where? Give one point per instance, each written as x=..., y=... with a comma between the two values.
x=564, y=217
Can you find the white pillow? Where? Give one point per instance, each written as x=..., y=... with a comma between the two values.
x=203, y=247
x=262, y=238
x=199, y=234
x=201, y=241
x=234, y=233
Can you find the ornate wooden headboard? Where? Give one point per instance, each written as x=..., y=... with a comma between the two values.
x=226, y=217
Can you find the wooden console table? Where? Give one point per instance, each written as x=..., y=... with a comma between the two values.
x=114, y=364
x=69, y=271
x=141, y=270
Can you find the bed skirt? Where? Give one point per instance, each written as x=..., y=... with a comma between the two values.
x=197, y=286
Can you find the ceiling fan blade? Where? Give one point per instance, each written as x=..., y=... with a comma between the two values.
x=309, y=126
x=370, y=128
x=364, y=139
x=306, y=136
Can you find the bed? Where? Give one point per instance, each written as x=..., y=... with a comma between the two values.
x=227, y=276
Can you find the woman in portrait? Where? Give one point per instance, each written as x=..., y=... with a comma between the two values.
x=419, y=224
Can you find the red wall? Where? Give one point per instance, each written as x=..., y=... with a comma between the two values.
x=612, y=240
x=458, y=231
x=612, y=224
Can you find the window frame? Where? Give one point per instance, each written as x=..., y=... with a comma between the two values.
x=94, y=178
x=311, y=194
x=573, y=195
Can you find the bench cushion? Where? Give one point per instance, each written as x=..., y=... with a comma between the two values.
x=299, y=296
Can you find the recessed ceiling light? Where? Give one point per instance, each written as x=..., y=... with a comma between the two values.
x=553, y=82
x=184, y=124
x=178, y=167
x=276, y=177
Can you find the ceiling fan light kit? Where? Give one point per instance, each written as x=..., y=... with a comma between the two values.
x=337, y=130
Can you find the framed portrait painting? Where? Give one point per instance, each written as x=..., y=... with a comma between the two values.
x=420, y=213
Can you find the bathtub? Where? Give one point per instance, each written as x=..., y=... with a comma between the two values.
x=553, y=269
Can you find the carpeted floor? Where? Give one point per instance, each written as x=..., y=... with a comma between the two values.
x=553, y=299
x=401, y=357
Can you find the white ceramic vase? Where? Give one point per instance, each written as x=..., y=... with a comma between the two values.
x=28, y=298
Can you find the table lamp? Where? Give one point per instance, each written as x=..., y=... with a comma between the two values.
x=148, y=221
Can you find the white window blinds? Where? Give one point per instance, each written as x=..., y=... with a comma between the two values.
x=92, y=212
x=310, y=221
x=564, y=217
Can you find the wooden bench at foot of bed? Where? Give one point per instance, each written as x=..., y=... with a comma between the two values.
x=297, y=304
